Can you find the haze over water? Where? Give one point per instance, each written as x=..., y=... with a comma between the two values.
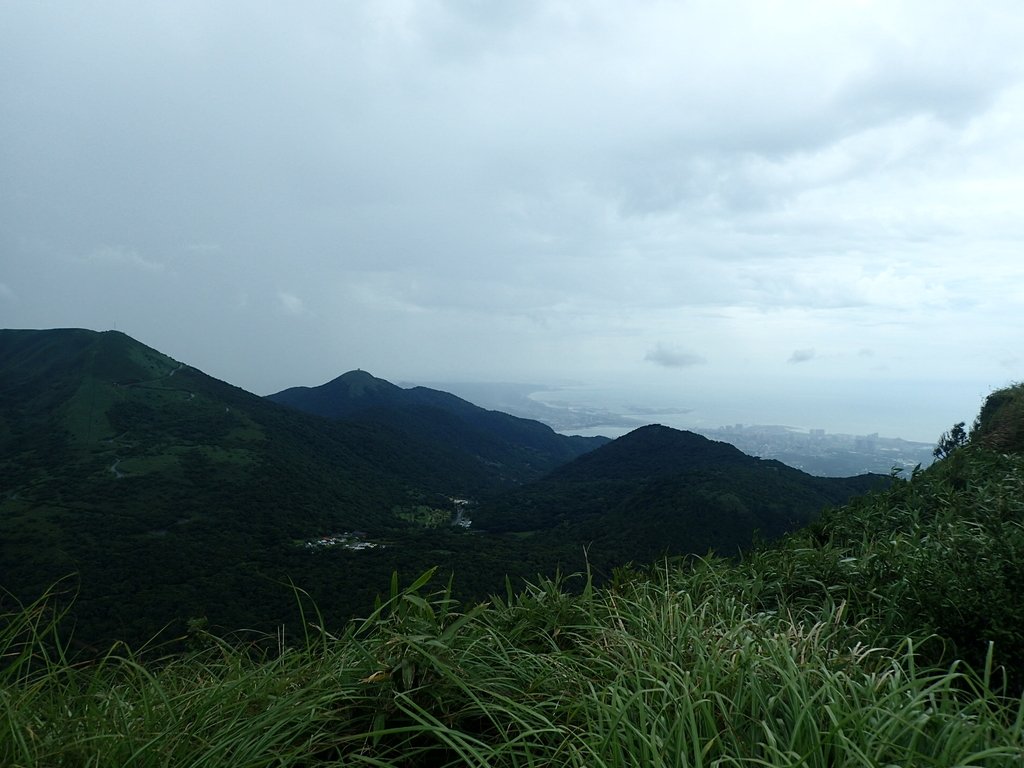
x=910, y=411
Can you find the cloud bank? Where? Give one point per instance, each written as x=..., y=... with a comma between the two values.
x=524, y=191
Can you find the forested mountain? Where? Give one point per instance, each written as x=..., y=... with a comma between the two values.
x=171, y=494
x=167, y=495
x=651, y=490
x=517, y=448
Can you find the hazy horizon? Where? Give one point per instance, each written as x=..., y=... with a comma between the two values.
x=898, y=415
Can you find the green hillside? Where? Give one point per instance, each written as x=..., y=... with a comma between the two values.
x=659, y=491
x=169, y=494
x=888, y=633
x=166, y=496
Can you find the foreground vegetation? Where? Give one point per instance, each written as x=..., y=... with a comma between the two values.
x=890, y=633
x=672, y=670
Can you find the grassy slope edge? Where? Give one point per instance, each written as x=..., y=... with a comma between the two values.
x=888, y=633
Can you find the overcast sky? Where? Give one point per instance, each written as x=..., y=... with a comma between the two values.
x=780, y=202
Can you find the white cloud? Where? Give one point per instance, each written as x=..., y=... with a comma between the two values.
x=801, y=356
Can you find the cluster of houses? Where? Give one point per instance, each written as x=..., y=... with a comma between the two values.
x=353, y=540
x=356, y=540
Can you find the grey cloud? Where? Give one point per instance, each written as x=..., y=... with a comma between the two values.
x=801, y=356
x=673, y=357
x=927, y=74
x=521, y=189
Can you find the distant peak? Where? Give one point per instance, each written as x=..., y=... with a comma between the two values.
x=654, y=428
x=360, y=378
x=358, y=375
x=357, y=384
x=659, y=432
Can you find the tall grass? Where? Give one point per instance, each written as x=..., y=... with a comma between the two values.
x=940, y=556
x=675, y=668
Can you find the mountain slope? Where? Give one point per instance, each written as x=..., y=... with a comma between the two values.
x=658, y=490
x=517, y=449
x=171, y=494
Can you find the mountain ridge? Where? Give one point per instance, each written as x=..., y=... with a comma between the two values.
x=655, y=488
x=136, y=471
x=174, y=495
x=528, y=447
